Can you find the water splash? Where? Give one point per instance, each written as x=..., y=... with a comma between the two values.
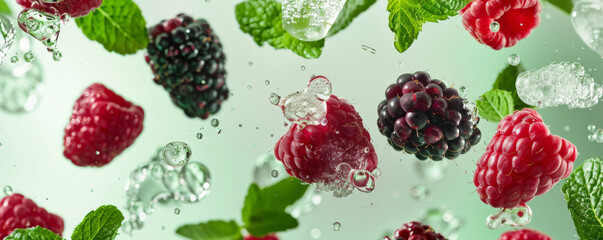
x=7, y=37
x=308, y=106
x=519, y=216
x=587, y=18
x=43, y=26
x=443, y=221
x=310, y=20
x=153, y=182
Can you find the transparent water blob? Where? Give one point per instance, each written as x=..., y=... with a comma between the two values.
x=20, y=82
x=310, y=20
x=263, y=176
x=587, y=18
x=443, y=221
x=557, y=84
x=7, y=37
x=308, y=106
x=43, y=26
x=596, y=135
x=7, y=190
x=494, y=26
x=153, y=183
x=514, y=59
x=519, y=216
x=336, y=226
x=431, y=170
x=176, y=154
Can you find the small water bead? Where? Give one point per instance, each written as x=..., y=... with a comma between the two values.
x=369, y=49
x=274, y=98
x=514, y=59
x=267, y=82
x=303, y=68
x=215, y=122
x=315, y=233
x=336, y=226
x=591, y=128
x=400, y=65
x=419, y=192
x=14, y=59
x=199, y=135
x=28, y=56
x=176, y=154
x=494, y=26
x=240, y=125
x=363, y=180
x=366, y=149
x=250, y=63
x=56, y=56
x=7, y=190
x=463, y=91
x=177, y=211
x=566, y=128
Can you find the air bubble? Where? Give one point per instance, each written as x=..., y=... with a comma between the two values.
x=176, y=154
x=267, y=82
x=199, y=135
x=463, y=91
x=215, y=122
x=274, y=173
x=336, y=226
x=14, y=59
x=591, y=128
x=400, y=65
x=419, y=192
x=249, y=87
x=177, y=211
x=303, y=68
x=7, y=190
x=514, y=59
x=250, y=63
x=494, y=26
x=519, y=216
x=28, y=56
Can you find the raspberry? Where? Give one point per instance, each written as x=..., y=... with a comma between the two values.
x=312, y=153
x=524, y=234
x=415, y=231
x=187, y=60
x=103, y=124
x=515, y=18
x=267, y=237
x=421, y=116
x=17, y=211
x=75, y=8
x=522, y=161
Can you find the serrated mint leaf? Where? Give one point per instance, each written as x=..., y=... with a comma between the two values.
x=583, y=192
x=36, y=233
x=406, y=17
x=100, y=224
x=4, y=7
x=506, y=81
x=564, y=5
x=495, y=105
x=212, y=230
x=262, y=20
x=351, y=10
x=264, y=209
x=118, y=25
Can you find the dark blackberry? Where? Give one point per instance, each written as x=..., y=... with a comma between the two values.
x=423, y=117
x=187, y=59
x=415, y=230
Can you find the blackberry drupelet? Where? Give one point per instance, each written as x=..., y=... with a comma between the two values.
x=187, y=60
x=422, y=116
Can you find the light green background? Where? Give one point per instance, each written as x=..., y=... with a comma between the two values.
x=32, y=161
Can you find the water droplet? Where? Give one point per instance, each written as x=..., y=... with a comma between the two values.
x=566, y=128
x=307, y=106
x=494, y=26
x=249, y=87
x=14, y=59
x=240, y=125
x=56, y=56
x=303, y=68
x=274, y=98
x=199, y=135
x=44, y=27
x=336, y=226
x=250, y=63
x=363, y=180
x=176, y=154
x=519, y=216
x=28, y=56
x=315, y=233
x=267, y=82
x=419, y=192
x=7, y=37
x=369, y=49
x=97, y=153
x=463, y=91
x=591, y=128
x=162, y=227
x=366, y=149
x=274, y=173
x=177, y=211
x=215, y=122
x=7, y=190
x=401, y=65
x=514, y=59
x=91, y=190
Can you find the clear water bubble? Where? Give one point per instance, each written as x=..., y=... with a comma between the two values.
x=177, y=211
x=267, y=82
x=14, y=59
x=250, y=63
x=591, y=128
x=249, y=87
x=419, y=192
x=587, y=19
x=369, y=49
x=7, y=190
x=199, y=135
x=315, y=233
x=519, y=216
x=308, y=106
x=363, y=180
x=176, y=154
x=566, y=128
x=274, y=173
x=7, y=37
x=494, y=26
x=44, y=27
x=274, y=98
x=443, y=221
x=28, y=56
x=336, y=226
x=215, y=122
x=303, y=68
x=514, y=59
x=463, y=91
x=310, y=20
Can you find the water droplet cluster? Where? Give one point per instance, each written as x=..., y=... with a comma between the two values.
x=519, y=216
x=45, y=27
x=7, y=37
x=310, y=20
x=596, y=135
x=308, y=106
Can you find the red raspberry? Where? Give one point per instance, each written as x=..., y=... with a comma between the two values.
x=415, y=231
x=17, y=211
x=103, y=124
x=267, y=237
x=312, y=153
x=516, y=19
x=524, y=234
x=522, y=161
x=75, y=8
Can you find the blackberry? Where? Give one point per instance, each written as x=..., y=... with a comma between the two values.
x=186, y=58
x=415, y=230
x=422, y=116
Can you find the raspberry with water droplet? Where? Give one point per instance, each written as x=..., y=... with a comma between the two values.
x=524, y=234
x=17, y=211
x=75, y=8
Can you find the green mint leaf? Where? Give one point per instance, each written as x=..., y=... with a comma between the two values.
x=262, y=20
x=36, y=233
x=351, y=10
x=406, y=17
x=495, y=105
x=212, y=230
x=564, y=5
x=583, y=192
x=4, y=7
x=100, y=224
x=506, y=81
x=264, y=209
x=118, y=25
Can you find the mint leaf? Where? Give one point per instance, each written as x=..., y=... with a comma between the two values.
x=4, y=7
x=212, y=230
x=564, y=5
x=100, y=224
x=583, y=192
x=495, y=105
x=406, y=17
x=262, y=20
x=118, y=25
x=35, y=233
x=264, y=209
x=351, y=9
x=506, y=81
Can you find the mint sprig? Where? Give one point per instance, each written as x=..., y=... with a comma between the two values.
x=406, y=17
x=351, y=10
x=506, y=81
x=4, y=9
x=212, y=230
x=495, y=105
x=564, y=5
x=583, y=192
x=34, y=233
x=118, y=25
